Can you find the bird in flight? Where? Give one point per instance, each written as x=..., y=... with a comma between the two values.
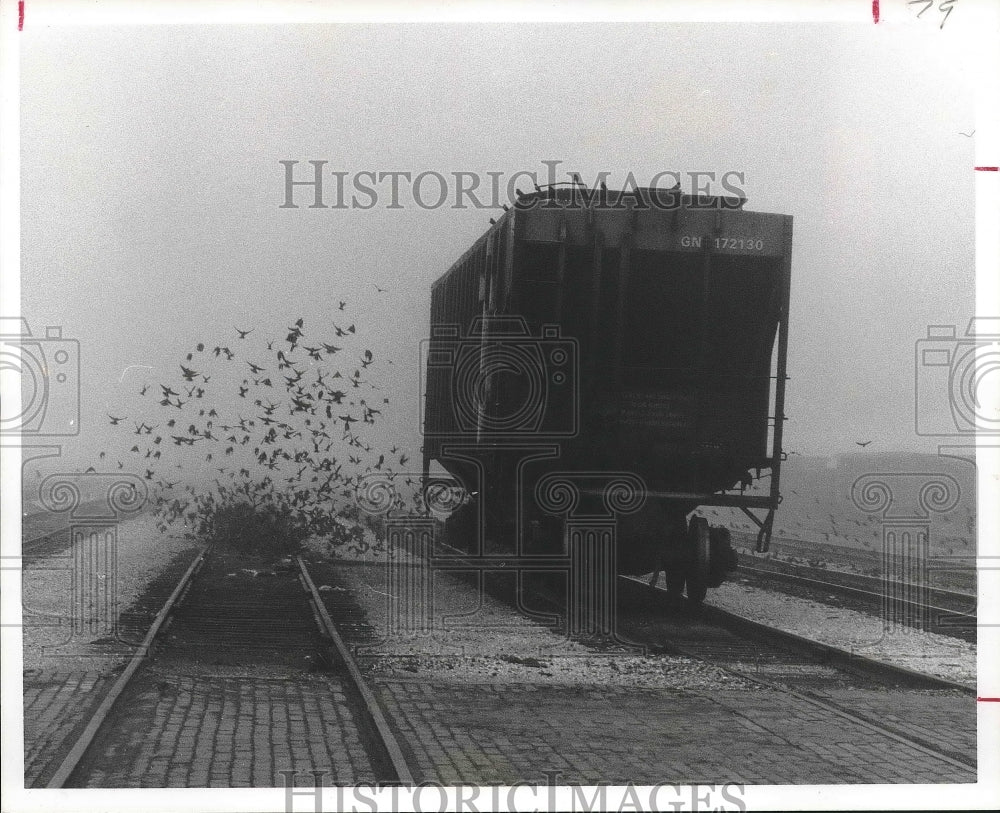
x=115, y=421
x=381, y=290
x=243, y=333
x=968, y=135
x=862, y=444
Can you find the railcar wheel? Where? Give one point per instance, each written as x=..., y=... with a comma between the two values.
x=701, y=550
x=675, y=578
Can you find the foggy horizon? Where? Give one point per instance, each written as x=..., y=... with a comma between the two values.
x=151, y=205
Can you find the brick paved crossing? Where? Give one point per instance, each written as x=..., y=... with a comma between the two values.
x=233, y=731
x=594, y=734
x=56, y=706
x=201, y=730
x=945, y=718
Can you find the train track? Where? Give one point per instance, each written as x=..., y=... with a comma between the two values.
x=935, y=609
x=814, y=672
x=205, y=618
x=637, y=592
x=46, y=544
x=814, y=651
x=781, y=661
x=956, y=573
x=45, y=533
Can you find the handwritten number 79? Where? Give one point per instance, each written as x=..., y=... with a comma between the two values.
x=945, y=7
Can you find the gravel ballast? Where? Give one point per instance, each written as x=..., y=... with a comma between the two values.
x=475, y=638
x=855, y=632
x=50, y=640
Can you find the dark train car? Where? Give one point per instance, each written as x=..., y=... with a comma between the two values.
x=599, y=331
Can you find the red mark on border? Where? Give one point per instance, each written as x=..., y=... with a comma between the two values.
x=988, y=699
x=875, y=11
x=986, y=169
x=20, y=15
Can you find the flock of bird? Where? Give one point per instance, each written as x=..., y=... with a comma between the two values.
x=293, y=433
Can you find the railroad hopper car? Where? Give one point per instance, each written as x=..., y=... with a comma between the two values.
x=595, y=332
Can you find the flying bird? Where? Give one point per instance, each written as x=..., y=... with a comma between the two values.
x=243, y=333
x=115, y=421
x=862, y=444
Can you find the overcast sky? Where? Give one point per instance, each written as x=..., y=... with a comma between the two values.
x=152, y=184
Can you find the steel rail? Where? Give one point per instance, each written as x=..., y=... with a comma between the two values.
x=830, y=656
x=83, y=742
x=919, y=607
x=837, y=657
x=372, y=705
